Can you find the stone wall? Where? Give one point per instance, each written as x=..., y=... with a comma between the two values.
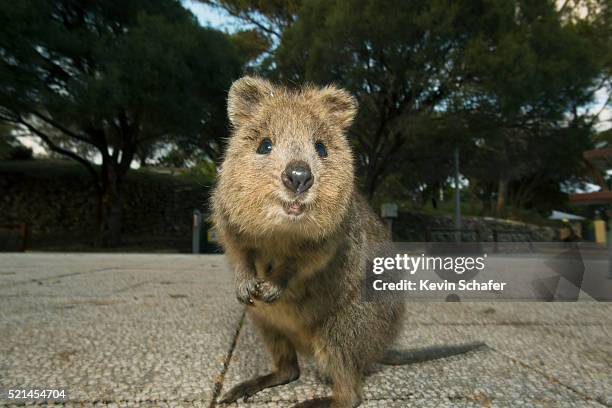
x=58, y=203
x=417, y=227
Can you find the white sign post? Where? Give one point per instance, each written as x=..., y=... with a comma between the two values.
x=389, y=211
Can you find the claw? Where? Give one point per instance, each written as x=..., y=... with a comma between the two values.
x=268, y=291
x=239, y=391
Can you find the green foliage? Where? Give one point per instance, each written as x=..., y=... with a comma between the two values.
x=85, y=64
x=502, y=80
x=20, y=152
x=269, y=17
x=265, y=22
x=507, y=82
x=6, y=141
x=174, y=158
x=605, y=136
x=204, y=173
x=250, y=44
x=10, y=147
x=113, y=78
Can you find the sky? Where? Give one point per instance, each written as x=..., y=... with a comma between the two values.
x=211, y=16
x=605, y=118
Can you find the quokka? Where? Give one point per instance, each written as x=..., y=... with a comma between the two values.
x=297, y=235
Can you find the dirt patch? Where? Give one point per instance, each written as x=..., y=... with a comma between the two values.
x=64, y=356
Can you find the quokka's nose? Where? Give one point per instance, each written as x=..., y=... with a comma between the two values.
x=297, y=177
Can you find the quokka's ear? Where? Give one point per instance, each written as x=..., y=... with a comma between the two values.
x=340, y=105
x=245, y=96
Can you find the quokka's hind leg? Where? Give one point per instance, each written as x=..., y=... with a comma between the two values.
x=285, y=368
x=347, y=383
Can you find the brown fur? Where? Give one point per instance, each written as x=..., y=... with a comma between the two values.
x=301, y=276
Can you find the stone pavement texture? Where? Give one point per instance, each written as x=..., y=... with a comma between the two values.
x=165, y=331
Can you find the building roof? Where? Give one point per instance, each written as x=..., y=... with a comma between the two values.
x=597, y=197
x=560, y=215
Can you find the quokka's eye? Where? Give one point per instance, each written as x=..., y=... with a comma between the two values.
x=321, y=149
x=265, y=146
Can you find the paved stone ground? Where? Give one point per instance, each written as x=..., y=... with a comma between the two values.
x=165, y=330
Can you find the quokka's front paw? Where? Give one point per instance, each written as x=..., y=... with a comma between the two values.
x=250, y=289
x=246, y=291
x=268, y=291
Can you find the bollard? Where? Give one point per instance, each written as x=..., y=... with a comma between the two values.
x=197, y=231
x=600, y=231
x=388, y=212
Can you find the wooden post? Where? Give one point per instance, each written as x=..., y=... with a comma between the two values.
x=24, y=236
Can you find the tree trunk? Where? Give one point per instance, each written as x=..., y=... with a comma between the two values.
x=372, y=180
x=502, y=192
x=110, y=208
x=370, y=188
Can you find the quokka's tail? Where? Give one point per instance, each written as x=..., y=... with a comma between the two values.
x=400, y=357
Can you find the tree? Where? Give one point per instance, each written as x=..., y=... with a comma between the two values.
x=534, y=127
x=108, y=79
x=516, y=61
x=434, y=75
x=269, y=18
x=7, y=141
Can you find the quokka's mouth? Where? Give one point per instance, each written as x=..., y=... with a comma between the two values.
x=294, y=208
